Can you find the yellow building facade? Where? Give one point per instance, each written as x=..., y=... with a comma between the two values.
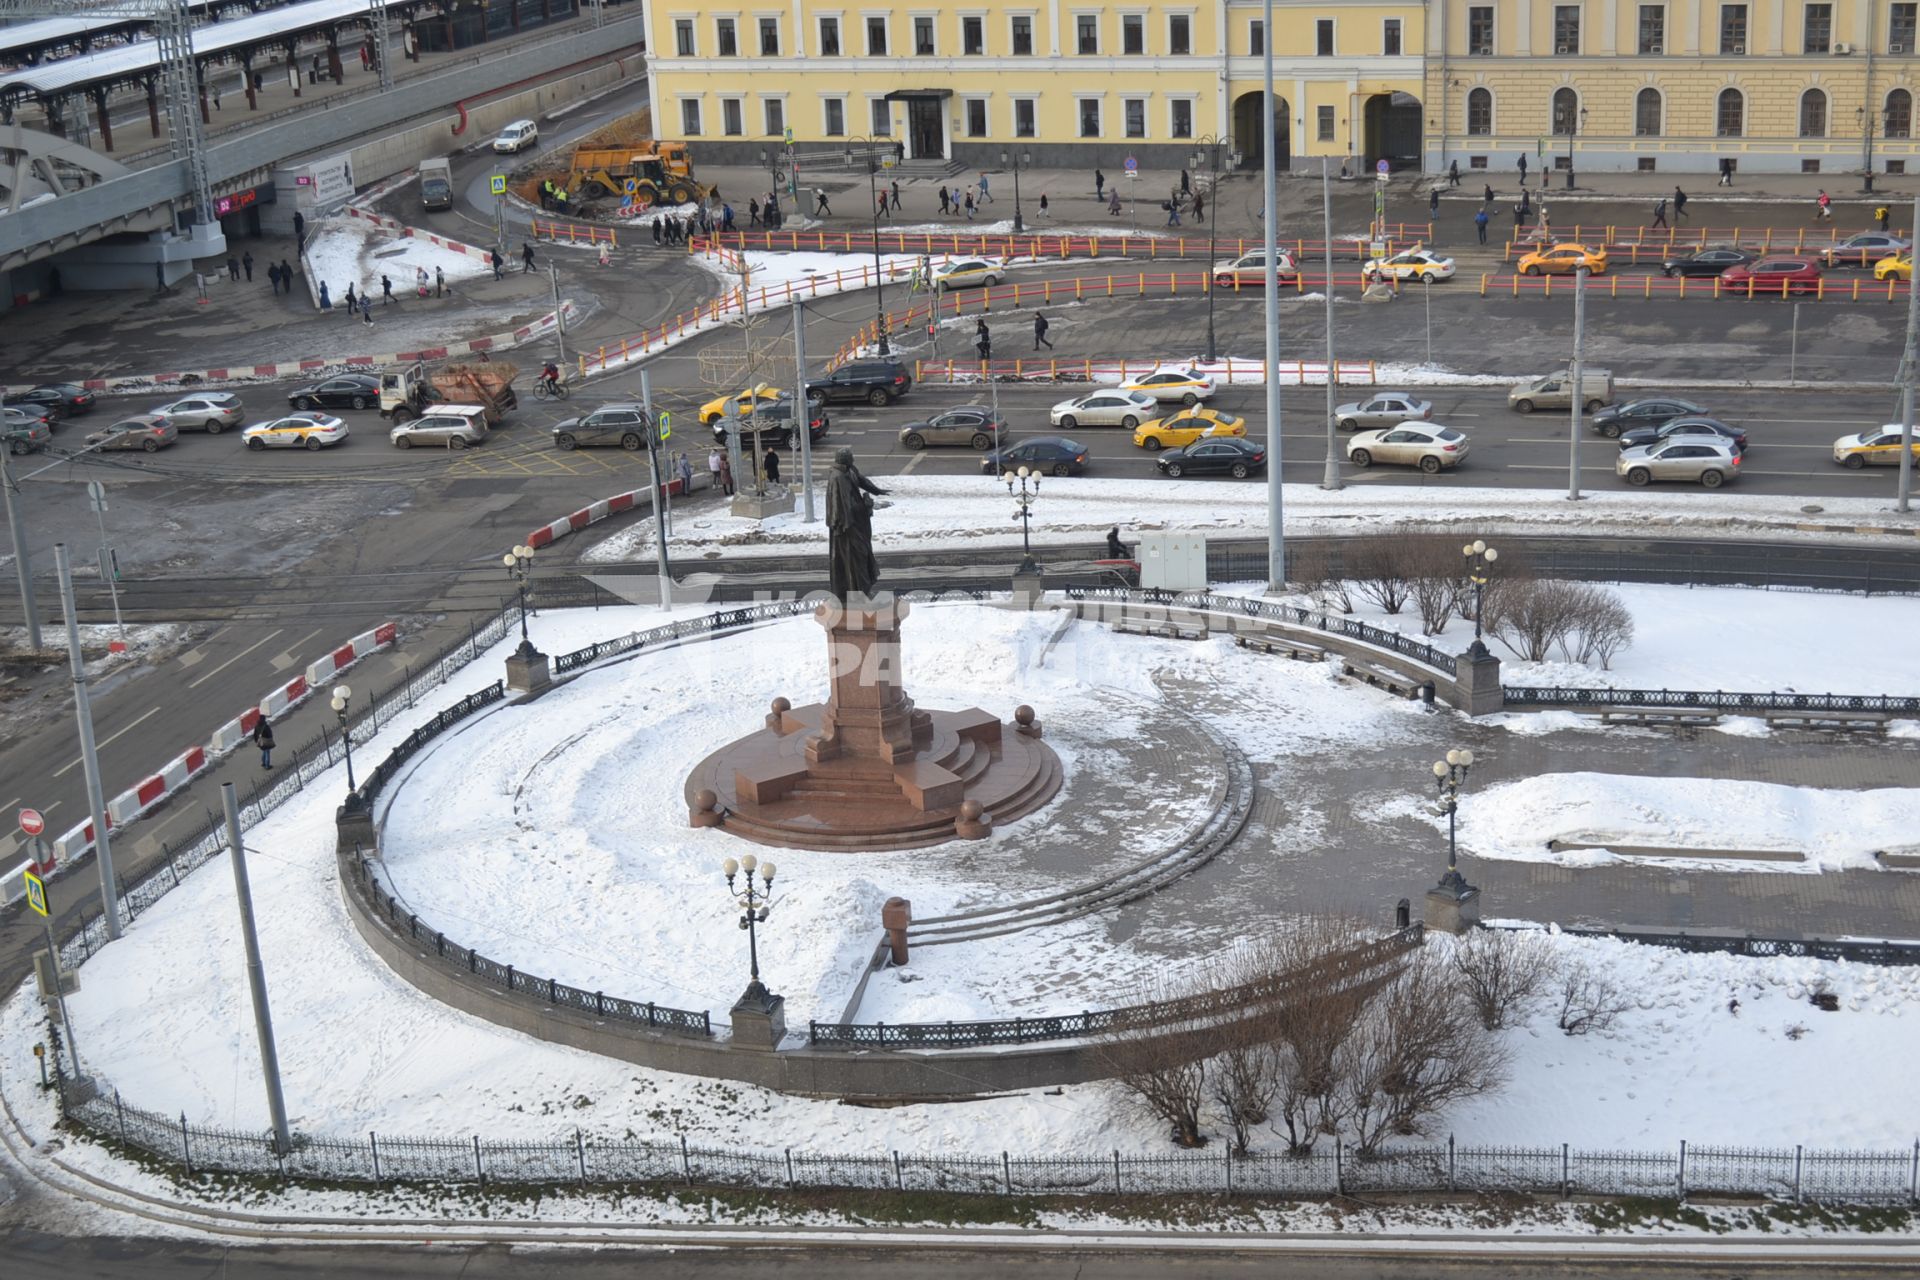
x=1683, y=86
x=1059, y=82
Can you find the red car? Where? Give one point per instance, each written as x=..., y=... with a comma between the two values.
x=1771, y=275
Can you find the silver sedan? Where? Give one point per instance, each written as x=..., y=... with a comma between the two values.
x=1387, y=409
x=1106, y=409
x=1692, y=459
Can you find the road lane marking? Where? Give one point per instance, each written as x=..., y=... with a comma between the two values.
x=74, y=763
x=195, y=684
x=286, y=657
x=914, y=462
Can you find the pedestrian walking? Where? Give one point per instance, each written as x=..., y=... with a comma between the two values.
x=1173, y=211
x=1113, y=203
x=753, y=216
x=770, y=465
x=1823, y=206
x=969, y=206
x=1519, y=220
x=685, y=471
x=1488, y=197
x=656, y=225
x=946, y=200
x=726, y=475
x=726, y=218
x=1679, y=204
x=233, y=270
x=982, y=340
x=353, y=303
x=420, y=282
x=1881, y=215
x=1526, y=203
x=364, y=61
x=896, y=196
x=299, y=232
x=1523, y=168
x=273, y=277
x=526, y=257
x=606, y=254
x=498, y=263
x=986, y=192
x=366, y=310
x=286, y=275
x=1453, y=174
x=821, y=209
x=1116, y=549
x=1099, y=184
x=386, y=291
x=439, y=282
x=216, y=97
x=714, y=461
x=246, y=264
x=1433, y=203
x=1199, y=207
x=263, y=739
x=326, y=303
x=1186, y=183
x=1480, y=224
x=1043, y=204
x=1726, y=171
x=880, y=207
x=1040, y=332
x=1660, y=213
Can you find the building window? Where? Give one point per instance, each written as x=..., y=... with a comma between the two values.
x=1896, y=167
x=1899, y=114
x=1023, y=118
x=1566, y=111
x=1653, y=28
x=1476, y=162
x=1256, y=37
x=976, y=117
x=1089, y=117
x=973, y=36
x=1323, y=37
x=1566, y=28
x=1088, y=25
x=683, y=37
x=776, y=113
x=1733, y=28
x=690, y=117
x=1480, y=112
x=829, y=37
x=1730, y=115
x=876, y=37
x=1023, y=36
x=729, y=46
x=1323, y=123
x=1480, y=31
x=836, y=117
x=923, y=36
x=1133, y=33
x=1817, y=30
x=1390, y=38
x=769, y=37
x=732, y=121
x=1900, y=28
x=1647, y=109
x=882, y=118
x=1813, y=114
x=1179, y=35
x=1135, y=111
x=1180, y=118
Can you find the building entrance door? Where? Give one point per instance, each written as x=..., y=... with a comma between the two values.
x=926, y=138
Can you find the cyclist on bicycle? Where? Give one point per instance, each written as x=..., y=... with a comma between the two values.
x=550, y=377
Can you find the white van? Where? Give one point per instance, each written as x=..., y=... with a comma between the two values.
x=517, y=136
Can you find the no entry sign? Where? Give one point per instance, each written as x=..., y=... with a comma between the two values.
x=31, y=822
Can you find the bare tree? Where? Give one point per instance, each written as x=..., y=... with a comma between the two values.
x=1242, y=1082
x=1162, y=1071
x=1606, y=627
x=1419, y=1050
x=1312, y=1027
x=1375, y=566
x=1435, y=570
x=1500, y=970
x=1532, y=616
x=1310, y=565
x=1589, y=1000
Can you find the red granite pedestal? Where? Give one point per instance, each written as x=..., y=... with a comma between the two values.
x=868, y=769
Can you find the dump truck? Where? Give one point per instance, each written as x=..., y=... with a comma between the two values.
x=407, y=392
x=662, y=173
x=436, y=184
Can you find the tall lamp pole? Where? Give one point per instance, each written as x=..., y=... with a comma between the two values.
x=1480, y=558
x=755, y=904
x=1574, y=125
x=342, y=708
x=1023, y=503
x=1017, y=159
x=1269, y=241
x=1450, y=774
x=519, y=563
x=873, y=211
x=1207, y=155
x=1865, y=117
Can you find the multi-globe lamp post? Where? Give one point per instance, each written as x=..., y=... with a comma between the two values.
x=1450, y=774
x=755, y=903
x=873, y=211
x=519, y=565
x=1015, y=159
x=342, y=709
x=1207, y=154
x=1024, y=498
x=1480, y=558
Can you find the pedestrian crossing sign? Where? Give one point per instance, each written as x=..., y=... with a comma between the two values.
x=36, y=892
x=497, y=184
x=666, y=424
x=632, y=187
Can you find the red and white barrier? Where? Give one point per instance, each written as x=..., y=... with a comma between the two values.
x=549, y=534
x=349, y=653
x=74, y=843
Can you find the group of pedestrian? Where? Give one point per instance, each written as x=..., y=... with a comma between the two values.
x=554, y=196
x=280, y=276
x=721, y=470
x=1679, y=209
x=669, y=229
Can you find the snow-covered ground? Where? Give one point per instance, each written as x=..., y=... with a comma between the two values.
x=347, y=251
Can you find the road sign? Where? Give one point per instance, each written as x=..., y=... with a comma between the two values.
x=632, y=186
x=97, y=495
x=1133, y=166
x=36, y=892
x=497, y=184
x=31, y=822
x=1380, y=170
x=789, y=132
x=666, y=424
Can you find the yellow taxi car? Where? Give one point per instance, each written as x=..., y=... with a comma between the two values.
x=1414, y=264
x=745, y=402
x=1184, y=428
x=1563, y=259
x=1873, y=448
x=1899, y=266
x=968, y=273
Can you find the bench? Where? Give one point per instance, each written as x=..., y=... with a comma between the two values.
x=1296, y=649
x=1659, y=717
x=1165, y=629
x=1847, y=720
x=1380, y=678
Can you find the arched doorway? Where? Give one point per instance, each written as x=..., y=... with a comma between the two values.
x=1248, y=139
x=1392, y=130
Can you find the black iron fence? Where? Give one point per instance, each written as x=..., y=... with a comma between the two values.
x=1197, y=1009
x=1273, y=611
x=668, y=633
x=1333, y=1169
x=1856, y=950
x=1713, y=700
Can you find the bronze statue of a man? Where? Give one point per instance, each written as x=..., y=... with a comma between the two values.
x=851, y=572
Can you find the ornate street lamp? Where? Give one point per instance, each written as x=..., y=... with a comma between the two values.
x=1450, y=774
x=1480, y=558
x=755, y=904
x=342, y=701
x=1024, y=500
x=873, y=211
x=519, y=564
x=1865, y=120
x=1574, y=126
x=1016, y=159
x=1208, y=155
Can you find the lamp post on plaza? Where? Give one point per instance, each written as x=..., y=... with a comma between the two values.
x=755, y=903
x=1480, y=558
x=1017, y=159
x=519, y=565
x=1450, y=773
x=342, y=705
x=1207, y=154
x=873, y=211
x=1574, y=125
x=1865, y=119
x=1024, y=500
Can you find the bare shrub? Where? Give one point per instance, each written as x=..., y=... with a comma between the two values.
x=1589, y=1000
x=1162, y=1071
x=1532, y=616
x=1436, y=570
x=1312, y=1029
x=1242, y=1082
x=1310, y=567
x=1500, y=971
x=1419, y=1049
x=1375, y=567
x=1605, y=628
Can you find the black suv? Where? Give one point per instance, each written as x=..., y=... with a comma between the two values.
x=875, y=381
x=775, y=423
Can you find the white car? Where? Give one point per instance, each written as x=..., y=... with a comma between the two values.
x=443, y=426
x=1410, y=264
x=969, y=273
x=1428, y=446
x=1173, y=382
x=517, y=136
x=1106, y=409
x=296, y=431
x=1249, y=270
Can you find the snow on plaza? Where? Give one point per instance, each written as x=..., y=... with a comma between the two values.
x=553, y=836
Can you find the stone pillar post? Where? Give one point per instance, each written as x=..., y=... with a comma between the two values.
x=1476, y=683
x=759, y=1019
x=528, y=671
x=1453, y=905
x=895, y=916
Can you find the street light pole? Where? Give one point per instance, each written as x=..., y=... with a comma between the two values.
x=1579, y=381
x=873, y=211
x=89, y=755
x=1211, y=158
x=256, y=976
x=1019, y=218
x=1330, y=476
x=755, y=905
x=22, y=566
x=1270, y=232
x=519, y=564
x=342, y=707
x=1908, y=374
x=1573, y=128
x=1480, y=558
x=1023, y=500
x=1450, y=774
